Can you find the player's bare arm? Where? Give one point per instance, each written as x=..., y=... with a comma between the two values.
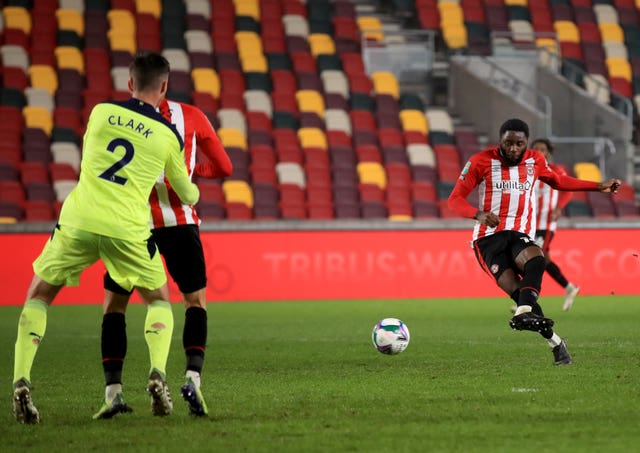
x=487, y=218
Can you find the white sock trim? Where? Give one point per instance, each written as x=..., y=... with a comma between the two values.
x=111, y=391
x=554, y=341
x=523, y=309
x=195, y=377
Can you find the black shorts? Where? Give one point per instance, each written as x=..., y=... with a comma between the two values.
x=498, y=252
x=182, y=251
x=544, y=238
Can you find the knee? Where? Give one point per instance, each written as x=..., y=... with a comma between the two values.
x=535, y=265
x=195, y=299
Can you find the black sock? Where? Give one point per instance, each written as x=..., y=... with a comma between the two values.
x=556, y=274
x=114, y=346
x=194, y=337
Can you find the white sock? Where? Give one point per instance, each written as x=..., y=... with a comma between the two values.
x=195, y=377
x=111, y=391
x=554, y=341
x=523, y=309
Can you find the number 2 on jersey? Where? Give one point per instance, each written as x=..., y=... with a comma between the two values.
x=110, y=173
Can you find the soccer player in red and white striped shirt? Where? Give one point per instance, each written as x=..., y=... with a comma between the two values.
x=550, y=203
x=175, y=230
x=506, y=222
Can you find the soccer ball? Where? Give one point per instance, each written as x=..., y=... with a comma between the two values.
x=390, y=336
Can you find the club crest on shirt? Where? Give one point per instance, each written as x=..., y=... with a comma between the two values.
x=465, y=170
x=494, y=268
x=530, y=169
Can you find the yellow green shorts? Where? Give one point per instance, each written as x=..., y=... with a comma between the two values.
x=69, y=251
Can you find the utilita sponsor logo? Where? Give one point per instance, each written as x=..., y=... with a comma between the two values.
x=513, y=185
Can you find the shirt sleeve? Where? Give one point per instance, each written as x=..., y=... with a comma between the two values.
x=564, y=181
x=564, y=197
x=176, y=172
x=219, y=165
x=469, y=178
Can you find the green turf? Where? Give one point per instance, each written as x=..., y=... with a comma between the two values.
x=303, y=376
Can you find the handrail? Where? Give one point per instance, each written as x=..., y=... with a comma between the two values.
x=514, y=86
x=559, y=62
x=600, y=145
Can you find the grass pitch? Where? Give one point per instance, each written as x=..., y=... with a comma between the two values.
x=304, y=376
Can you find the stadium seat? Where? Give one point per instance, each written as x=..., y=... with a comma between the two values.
x=588, y=171
x=238, y=192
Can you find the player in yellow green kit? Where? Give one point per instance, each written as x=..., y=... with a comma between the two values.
x=127, y=145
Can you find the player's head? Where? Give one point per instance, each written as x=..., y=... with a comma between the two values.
x=149, y=74
x=514, y=136
x=544, y=146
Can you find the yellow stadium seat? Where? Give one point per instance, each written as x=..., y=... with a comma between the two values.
x=17, y=17
x=611, y=32
x=414, y=120
x=44, y=76
x=254, y=63
x=312, y=137
x=38, y=117
x=547, y=43
x=372, y=173
x=122, y=41
x=567, y=31
x=400, y=218
x=248, y=8
x=588, y=171
x=516, y=2
x=237, y=192
x=450, y=14
x=206, y=80
x=321, y=44
x=153, y=7
x=619, y=67
x=310, y=101
x=385, y=82
x=248, y=42
x=122, y=20
x=232, y=137
x=455, y=36
x=6, y=220
x=371, y=28
x=69, y=57
x=70, y=19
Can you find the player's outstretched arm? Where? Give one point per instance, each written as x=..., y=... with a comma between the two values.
x=610, y=186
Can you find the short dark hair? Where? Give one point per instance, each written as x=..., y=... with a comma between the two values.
x=148, y=69
x=516, y=125
x=546, y=142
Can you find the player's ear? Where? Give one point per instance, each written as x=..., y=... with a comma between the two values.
x=130, y=84
x=163, y=87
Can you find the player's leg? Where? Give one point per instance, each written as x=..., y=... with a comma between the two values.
x=570, y=290
x=529, y=315
x=64, y=256
x=137, y=264
x=184, y=257
x=31, y=330
x=113, y=348
x=158, y=331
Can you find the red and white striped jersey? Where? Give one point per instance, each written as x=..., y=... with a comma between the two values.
x=508, y=191
x=548, y=201
x=196, y=131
